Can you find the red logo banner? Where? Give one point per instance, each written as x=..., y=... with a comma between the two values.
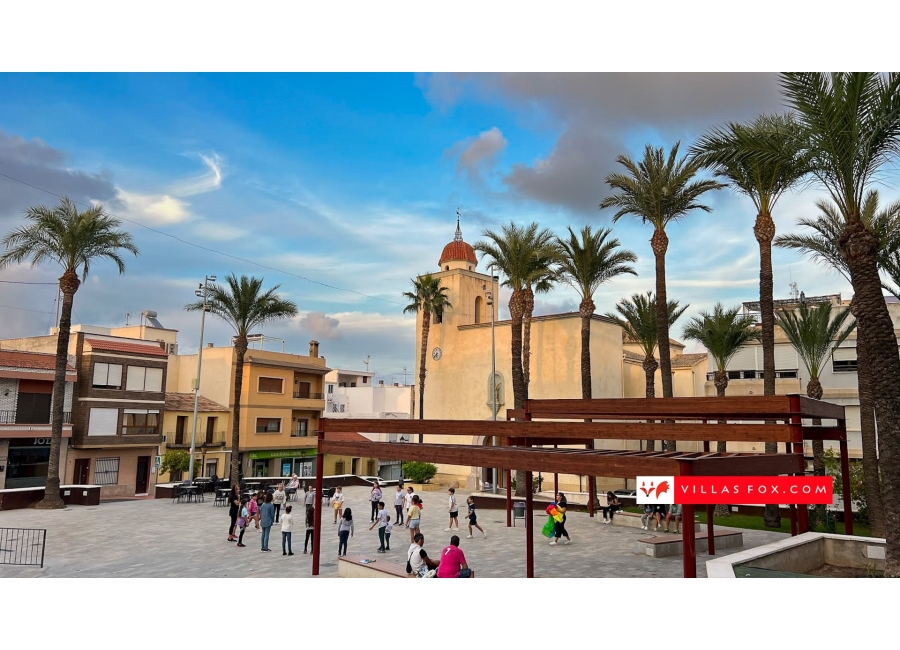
x=753, y=489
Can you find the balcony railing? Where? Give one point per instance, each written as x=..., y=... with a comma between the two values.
x=302, y=394
x=9, y=417
x=753, y=374
x=299, y=433
x=140, y=430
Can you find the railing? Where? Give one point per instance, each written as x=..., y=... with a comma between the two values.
x=299, y=433
x=23, y=546
x=753, y=374
x=9, y=417
x=307, y=395
x=204, y=439
x=140, y=430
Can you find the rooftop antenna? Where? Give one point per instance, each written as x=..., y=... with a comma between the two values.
x=127, y=316
x=458, y=236
x=404, y=375
x=367, y=362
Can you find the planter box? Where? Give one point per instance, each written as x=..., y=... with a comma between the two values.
x=81, y=495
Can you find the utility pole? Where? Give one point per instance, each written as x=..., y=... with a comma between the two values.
x=201, y=292
x=493, y=376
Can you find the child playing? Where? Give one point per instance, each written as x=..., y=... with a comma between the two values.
x=381, y=522
x=454, y=511
x=310, y=526
x=345, y=530
x=242, y=522
x=647, y=517
x=387, y=534
x=337, y=502
x=287, y=522
x=473, y=520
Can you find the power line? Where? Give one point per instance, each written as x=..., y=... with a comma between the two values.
x=17, y=282
x=210, y=250
x=23, y=309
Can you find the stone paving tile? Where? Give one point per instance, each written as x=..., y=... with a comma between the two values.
x=161, y=539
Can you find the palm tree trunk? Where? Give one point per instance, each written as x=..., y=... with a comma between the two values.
x=586, y=310
x=68, y=284
x=660, y=243
x=423, y=357
x=240, y=349
x=526, y=337
x=814, y=390
x=867, y=430
x=520, y=389
x=877, y=348
x=764, y=230
x=650, y=365
x=721, y=383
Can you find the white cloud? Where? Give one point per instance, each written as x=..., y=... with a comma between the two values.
x=320, y=325
x=483, y=148
x=153, y=209
x=209, y=181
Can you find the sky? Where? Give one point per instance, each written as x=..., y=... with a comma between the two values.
x=340, y=188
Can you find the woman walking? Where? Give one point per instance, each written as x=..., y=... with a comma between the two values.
x=413, y=517
x=310, y=528
x=337, y=502
x=278, y=500
x=559, y=527
x=345, y=531
x=287, y=523
x=234, y=509
x=612, y=504
x=267, y=518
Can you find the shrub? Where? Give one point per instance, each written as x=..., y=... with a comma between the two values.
x=419, y=472
x=175, y=460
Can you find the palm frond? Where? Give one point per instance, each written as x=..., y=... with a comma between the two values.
x=814, y=332
x=637, y=318
x=723, y=332
x=244, y=305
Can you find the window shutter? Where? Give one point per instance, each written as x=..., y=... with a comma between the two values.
x=745, y=359
x=844, y=354
x=135, y=378
x=115, y=375
x=101, y=371
x=153, y=382
x=786, y=358
x=103, y=422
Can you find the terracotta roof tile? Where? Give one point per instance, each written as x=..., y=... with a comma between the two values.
x=689, y=360
x=458, y=250
x=633, y=356
x=30, y=360
x=628, y=339
x=346, y=437
x=132, y=348
x=185, y=402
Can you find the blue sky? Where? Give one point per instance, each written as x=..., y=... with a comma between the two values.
x=353, y=180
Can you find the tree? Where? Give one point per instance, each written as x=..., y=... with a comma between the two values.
x=822, y=245
x=518, y=252
x=813, y=332
x=245, y=305
x=427, y=297
x=850, y=125
x=74, y=240
x=723, y=333
x=658, y=190
x=586, y=262
x=176, y=460
x=637, y=318
x=540, y=279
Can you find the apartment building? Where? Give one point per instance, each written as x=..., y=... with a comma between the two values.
x=212, y=445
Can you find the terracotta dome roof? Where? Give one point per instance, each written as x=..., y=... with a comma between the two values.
x=458, y=250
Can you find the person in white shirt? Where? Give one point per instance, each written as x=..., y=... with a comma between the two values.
x=278, y=499
x=381, y=522
x=337, y=502
x=454, y=511
x=407, y=501
x=310, y=499
x=287, y=522
x=398, y=504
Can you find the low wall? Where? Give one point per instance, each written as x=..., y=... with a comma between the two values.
x=81, y=495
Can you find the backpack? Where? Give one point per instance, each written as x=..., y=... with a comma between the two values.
x=409, y=568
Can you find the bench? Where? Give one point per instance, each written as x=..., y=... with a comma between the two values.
x=633, y=520
x=665, y=545
x=350, y=566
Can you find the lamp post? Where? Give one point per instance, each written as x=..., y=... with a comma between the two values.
x=493, y=374
x=200, y=293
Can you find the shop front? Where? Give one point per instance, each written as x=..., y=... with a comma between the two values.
x=282, y=462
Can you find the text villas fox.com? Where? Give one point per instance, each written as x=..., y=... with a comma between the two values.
x=734, y=489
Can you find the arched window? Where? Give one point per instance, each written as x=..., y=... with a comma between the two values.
x=479, y=308
x=447, y=268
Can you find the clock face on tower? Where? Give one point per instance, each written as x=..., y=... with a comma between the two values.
x=436, y=354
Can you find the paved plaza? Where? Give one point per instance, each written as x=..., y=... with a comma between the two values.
x=155, y=538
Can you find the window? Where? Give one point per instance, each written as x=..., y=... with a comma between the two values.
x=106, y=471
x=330, y=389
x=342, y=408
x=352, y=384
x=144, y=379
x=370, y=467
x=140, y=422
x=212, y=467
x=339, y=467
x=479, y=307
x=843, y=360
x=301, y=389
x=268, y=425
x=301, y=429
x=107, y=376
x=365, y=380
x=271, y=385
x=439, y=317
x=103, y=422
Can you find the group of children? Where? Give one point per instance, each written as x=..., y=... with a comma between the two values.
x=658, y=513
x=252, y=510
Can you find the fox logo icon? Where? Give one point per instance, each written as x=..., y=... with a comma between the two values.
x=655, y=489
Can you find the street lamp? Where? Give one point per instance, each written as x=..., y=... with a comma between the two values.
x=202, y=292
x=492, y=296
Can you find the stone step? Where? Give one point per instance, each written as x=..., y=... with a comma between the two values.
x=666, y=545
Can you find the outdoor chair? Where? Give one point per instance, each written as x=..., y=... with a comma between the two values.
x=221, y=498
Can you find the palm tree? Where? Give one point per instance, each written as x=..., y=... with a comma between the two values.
x=822, y=245
x=540, y=279
x=850, y=127
x=243, y=304
x=520, y=253
x=637, y=318
x=658, y=190
x=74, y=240
x=723, y=333
x=813, y=333
x=427, y=297
x=586, y=263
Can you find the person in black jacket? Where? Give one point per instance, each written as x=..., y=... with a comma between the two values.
x=234, y=503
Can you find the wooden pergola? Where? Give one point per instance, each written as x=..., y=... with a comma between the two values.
x=759, y=419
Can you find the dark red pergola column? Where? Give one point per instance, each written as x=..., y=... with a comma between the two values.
x=529, y=527
x=317, y=531
x=689, y=545
x=710, y=530
x=845, y=483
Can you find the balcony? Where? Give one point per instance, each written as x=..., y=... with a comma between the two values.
x=204, y=440
x=9, y=417
x=300, y=394
x=753, y=374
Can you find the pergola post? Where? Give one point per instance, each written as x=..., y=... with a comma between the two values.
x=689, y=545
x=529, y=527
x=845, y=487
x=710, y=531
x=317, y=517
x=508, y=498
x=792, y=509
x=555, y=479
x=802, y=509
